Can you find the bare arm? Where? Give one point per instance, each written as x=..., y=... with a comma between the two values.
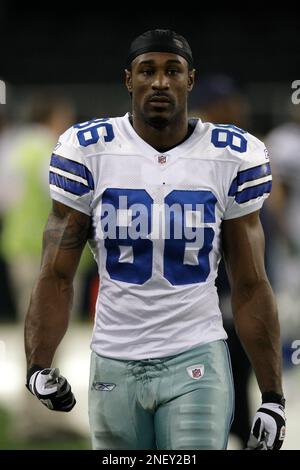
x=253, y=303
x=47, y=318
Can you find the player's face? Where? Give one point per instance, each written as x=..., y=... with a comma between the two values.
x=159, y=83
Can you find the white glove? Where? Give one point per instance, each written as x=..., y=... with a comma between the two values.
x=51, y=388
x=268, y=428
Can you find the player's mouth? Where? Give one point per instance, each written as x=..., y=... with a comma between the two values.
x=160, y=103
x=160, y=99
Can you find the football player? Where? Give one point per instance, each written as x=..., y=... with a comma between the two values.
x=160, y=198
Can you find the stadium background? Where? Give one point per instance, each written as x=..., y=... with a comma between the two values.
x=79, y=56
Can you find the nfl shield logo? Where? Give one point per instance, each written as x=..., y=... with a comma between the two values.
x=196, y=371
x=162, y=159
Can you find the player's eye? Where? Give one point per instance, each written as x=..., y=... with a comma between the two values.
x=147, y=72
x=173, y=71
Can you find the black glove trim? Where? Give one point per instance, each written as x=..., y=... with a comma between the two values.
x=274, y=415
x=273, y=397
x=34, y=368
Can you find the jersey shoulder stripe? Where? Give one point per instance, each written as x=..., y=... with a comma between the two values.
x=253, y=192
x=70, y=176
x=250, y=174
x=70, y=168
x=68, y=185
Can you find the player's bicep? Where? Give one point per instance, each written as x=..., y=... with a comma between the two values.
x=65, y=236
x=243, y=250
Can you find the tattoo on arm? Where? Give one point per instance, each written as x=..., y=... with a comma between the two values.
x=66, y=229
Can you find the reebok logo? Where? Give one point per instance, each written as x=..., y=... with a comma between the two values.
x=103, y=387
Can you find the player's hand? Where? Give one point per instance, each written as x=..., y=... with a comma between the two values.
x=52, y=389
x=268, y=428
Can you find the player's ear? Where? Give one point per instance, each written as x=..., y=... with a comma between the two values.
x=191, y=79
x=128, y=80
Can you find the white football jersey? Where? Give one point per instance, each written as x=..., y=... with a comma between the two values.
x=157, y=220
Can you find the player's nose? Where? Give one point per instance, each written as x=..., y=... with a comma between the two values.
x=160, y=81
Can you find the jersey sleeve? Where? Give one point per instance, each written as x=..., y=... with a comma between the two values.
x=70, y=178
x=252, y=183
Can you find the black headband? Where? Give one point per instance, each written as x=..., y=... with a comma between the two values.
x=160, y=40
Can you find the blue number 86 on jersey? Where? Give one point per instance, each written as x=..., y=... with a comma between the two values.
x=89, y=133
x=185, y=260
x=226, y=135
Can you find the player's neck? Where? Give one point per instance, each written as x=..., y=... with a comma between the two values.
x=162, y=139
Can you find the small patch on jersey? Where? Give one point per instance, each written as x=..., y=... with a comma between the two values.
x=196, y=371
x=162, y=159
x=267, y=155
x=103, y=387
x=57, y=145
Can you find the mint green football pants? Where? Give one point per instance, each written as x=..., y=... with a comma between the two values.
x=176, y=402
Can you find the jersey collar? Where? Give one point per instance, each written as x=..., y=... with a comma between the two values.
x=150, y=151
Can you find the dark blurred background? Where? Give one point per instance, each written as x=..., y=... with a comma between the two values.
x=86, y=44
x=64, y=63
